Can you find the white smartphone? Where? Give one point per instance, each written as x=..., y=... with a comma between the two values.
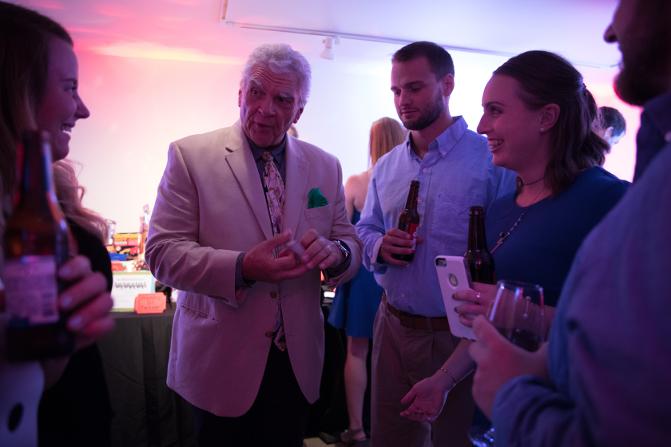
x=453, y=277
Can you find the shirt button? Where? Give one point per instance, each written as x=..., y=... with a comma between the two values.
x=273, y=295
x=269, y=334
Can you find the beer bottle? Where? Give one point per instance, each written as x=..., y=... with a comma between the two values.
x=36, y=242
x=408, y=221
x=479, y=260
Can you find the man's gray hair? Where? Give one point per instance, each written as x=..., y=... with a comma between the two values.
x=280, y=58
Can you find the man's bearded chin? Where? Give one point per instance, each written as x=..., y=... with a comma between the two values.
x=638, y=85
x=646, y=72
x=428, y=117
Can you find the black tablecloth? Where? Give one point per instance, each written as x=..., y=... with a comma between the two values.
x=145, y=411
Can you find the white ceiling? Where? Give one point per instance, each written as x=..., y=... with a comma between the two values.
x=572, y=28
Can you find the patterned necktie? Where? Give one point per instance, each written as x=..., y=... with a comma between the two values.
x=273, y=185
x=274, y=189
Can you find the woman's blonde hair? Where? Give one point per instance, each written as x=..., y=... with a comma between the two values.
x=24, y=57
x=385, y=134
x=70, y=194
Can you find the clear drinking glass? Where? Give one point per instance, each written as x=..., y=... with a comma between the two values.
x=517, y=312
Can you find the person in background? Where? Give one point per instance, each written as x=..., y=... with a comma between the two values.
x=356, y=301
x=610, y=125
x=603, y=378
x=248, y=334
x=293, y=132
x=536, y=115
x=411, y=336
x=38, y=90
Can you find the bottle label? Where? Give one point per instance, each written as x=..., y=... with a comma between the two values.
x=31, y=290
x=412, y=228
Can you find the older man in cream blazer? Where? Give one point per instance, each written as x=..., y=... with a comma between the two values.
x=248, y=343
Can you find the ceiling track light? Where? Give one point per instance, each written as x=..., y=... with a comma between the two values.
x=327, y=52
x=336, y=35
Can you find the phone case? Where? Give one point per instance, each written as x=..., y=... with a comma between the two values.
x=452, y=277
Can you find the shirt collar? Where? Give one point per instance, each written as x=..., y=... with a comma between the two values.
x=658, y=111
x=654, y=133
x=277, y=150
x=447, y=139
x=450, y=136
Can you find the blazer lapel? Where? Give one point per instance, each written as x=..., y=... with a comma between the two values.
x=295, y=187
x=243, y=166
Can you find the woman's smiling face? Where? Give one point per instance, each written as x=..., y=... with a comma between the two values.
x=61, y=106
x=512, y=128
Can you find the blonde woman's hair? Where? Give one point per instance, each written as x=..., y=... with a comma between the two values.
x=70, y=194
x=24, y=57
x=385, y=134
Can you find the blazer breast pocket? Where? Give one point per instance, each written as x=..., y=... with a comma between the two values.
x=320, y=218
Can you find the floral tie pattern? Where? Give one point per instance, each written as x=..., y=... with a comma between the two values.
x=273, y=186
x=274, y=189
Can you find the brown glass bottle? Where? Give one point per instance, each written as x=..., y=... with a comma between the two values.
x=36, y=242
x=479, y=260
x=408, y=221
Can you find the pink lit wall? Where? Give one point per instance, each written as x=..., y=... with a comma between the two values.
x=140, y=104
x=153, y=71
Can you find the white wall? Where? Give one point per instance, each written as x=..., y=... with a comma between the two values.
x=139, y=105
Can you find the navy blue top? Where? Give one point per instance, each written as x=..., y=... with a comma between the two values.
x=610, y=343
x=541, y=248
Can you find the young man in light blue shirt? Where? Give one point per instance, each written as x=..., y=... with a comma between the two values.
x=453, y=166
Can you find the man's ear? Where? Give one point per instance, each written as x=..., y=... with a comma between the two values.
x=299, y=112
x=448, y=84
x=608, y=134
x=549, y=116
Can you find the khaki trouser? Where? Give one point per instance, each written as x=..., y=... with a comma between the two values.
x=401, y=358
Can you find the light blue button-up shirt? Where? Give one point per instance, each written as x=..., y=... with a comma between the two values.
x=455, y=174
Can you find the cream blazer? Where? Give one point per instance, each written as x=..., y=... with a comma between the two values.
x=210, y=207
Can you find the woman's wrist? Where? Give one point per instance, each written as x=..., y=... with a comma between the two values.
x=446, y=378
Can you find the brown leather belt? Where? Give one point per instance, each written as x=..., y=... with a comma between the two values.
x=417, y=321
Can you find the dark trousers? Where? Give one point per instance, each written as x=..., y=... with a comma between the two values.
x=278, y=416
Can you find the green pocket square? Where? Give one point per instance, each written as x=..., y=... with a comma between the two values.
x=316, y=198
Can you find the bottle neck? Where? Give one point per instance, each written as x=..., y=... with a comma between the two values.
x=477, y=239
x=36, y=172
x=411, y=202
